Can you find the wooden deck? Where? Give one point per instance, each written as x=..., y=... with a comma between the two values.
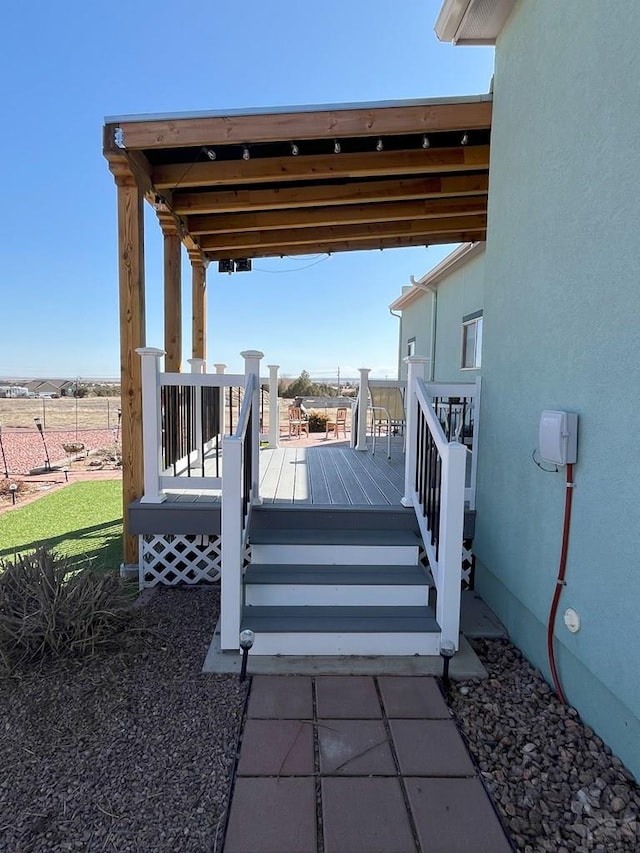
x=332, y=475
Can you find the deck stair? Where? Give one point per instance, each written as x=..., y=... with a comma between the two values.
x=337, y=581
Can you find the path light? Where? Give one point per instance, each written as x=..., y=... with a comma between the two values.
x=13, y=488
x=4, y=458
x=447, y=651
x=247, y=638
x=47, y=464
x=65, y=471
x=118, y=427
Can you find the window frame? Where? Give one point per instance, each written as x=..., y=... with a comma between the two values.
x=469, y=320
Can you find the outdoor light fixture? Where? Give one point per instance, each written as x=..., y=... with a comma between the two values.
x=247, y=639
x=379, y=145
x=337, y=148
x=294, y=149
x=4, y=458
x=13, y=488
x=211, y=154
x=425, y=141
x=65, y=471
x=243, y=265
x=465, y=139
x=47, y=464
x=447, y=651
x=118, y=427
x=225, y=265
x=246, y=154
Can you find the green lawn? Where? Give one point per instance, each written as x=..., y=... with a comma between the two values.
x=82, y=522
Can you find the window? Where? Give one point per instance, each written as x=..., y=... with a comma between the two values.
x=472, y=341
x=411, y=346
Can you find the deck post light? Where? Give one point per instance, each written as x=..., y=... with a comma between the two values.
x=447, y=651
x=47, y=464
x=4, y=458
x=247, y=638
x=13, y=488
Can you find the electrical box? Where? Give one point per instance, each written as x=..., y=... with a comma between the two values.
x=558, y=437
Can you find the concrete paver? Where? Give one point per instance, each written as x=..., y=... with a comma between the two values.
x=390, y=777
x=430, y=748
x=355, y=748
x=418, y=697
x=365, y=815
x=272, y=815
x=345, y=696
x=277, y=748
x=455, y=816
x=281, y=697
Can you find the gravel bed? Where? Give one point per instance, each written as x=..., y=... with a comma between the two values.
x=131, y=752
x=24, y=449
x=556, y=785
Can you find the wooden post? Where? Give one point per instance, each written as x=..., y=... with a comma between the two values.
x=199, y=307
x=172, y=295
x=274, y=406
x=363, y=405
x=415, y=370
x=132, y=337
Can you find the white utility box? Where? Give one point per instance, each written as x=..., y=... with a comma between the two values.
x=558, y=437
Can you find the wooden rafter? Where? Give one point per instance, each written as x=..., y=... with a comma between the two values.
x=293, y=125
x=321, y=167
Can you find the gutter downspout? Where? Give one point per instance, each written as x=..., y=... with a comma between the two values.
x=434, y=325
x=398, y=316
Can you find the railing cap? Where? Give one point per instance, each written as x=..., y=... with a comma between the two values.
x=252, y=353
x=416, y=359
x=150, y=351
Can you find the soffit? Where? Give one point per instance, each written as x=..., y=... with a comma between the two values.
x=363, y=176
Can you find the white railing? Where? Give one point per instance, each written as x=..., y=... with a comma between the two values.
x=185, y=418
x=435, y=488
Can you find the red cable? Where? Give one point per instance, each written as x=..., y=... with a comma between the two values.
x=560, y=583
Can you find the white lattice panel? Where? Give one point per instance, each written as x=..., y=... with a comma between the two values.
x=467, y=563
x=174, y=559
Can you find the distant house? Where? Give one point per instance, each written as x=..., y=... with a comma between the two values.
x=51, y=387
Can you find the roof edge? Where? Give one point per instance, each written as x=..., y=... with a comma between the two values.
x=456, y=259
x=300, y=108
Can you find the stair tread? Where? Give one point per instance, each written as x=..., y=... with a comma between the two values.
x=364, y=620
x=267, y=573
x=307, y=536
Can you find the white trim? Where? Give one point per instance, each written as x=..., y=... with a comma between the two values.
x=336, y=595
x=470, y=22
x=458, y=258
x=333, y=643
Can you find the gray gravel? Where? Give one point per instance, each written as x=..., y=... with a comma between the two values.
x=556, y=785
x=127, y=753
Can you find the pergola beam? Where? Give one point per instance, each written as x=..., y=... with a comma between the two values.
x=297, y=125
x=327, y=216
x=321, y=167
x=236, y=243
x=356, y=245
x=286, y=198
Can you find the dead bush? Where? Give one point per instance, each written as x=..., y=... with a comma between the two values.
x=49, y=611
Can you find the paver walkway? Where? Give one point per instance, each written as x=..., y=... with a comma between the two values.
x=356, y=764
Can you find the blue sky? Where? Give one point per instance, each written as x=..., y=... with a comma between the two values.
x=65, y=66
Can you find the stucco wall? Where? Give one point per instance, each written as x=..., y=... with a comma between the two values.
x=562, y=307
x=459, y=294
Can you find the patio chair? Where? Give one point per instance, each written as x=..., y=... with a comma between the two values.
x=334, y=425
x=298, y=424
x=387, y=412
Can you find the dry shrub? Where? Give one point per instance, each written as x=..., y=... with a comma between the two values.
x=317, y=421
x=48, y=611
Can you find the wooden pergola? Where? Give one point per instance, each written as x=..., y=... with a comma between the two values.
x=235, y=186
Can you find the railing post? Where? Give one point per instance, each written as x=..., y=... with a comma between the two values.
x=151, y=423
x=450, y=542
x=197, y=366
x=415, y=370
x=220, y=368
x=252, y=367
x=363, y=403
x=231, y=534
x=274, y=406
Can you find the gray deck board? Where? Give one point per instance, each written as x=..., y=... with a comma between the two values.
x=332, y=475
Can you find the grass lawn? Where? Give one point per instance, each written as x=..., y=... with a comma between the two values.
x=82, y=522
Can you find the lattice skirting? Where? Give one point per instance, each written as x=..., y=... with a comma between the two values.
x=174, y=559
x=468, y=563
